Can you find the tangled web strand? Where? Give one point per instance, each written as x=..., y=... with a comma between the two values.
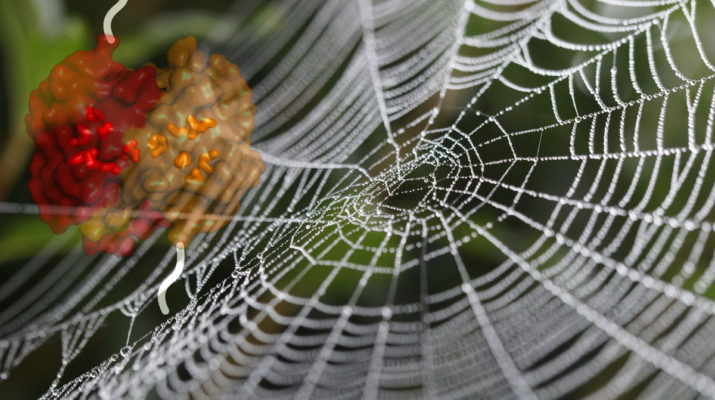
x=485, y=198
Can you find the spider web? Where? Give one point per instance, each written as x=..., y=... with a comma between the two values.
x=489, y=199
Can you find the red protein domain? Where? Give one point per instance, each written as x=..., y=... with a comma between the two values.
x=77, y=118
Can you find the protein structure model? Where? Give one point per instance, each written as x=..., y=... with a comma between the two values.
x=122, y=152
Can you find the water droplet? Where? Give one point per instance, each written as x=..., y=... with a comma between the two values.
x=214, y=364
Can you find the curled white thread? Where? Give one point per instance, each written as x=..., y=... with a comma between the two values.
x=110, y=16
x=173, y=276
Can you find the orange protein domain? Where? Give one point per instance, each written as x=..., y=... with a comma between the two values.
x=198, y=160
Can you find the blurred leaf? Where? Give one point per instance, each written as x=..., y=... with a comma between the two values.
x=25, y=235
x=29, y=50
